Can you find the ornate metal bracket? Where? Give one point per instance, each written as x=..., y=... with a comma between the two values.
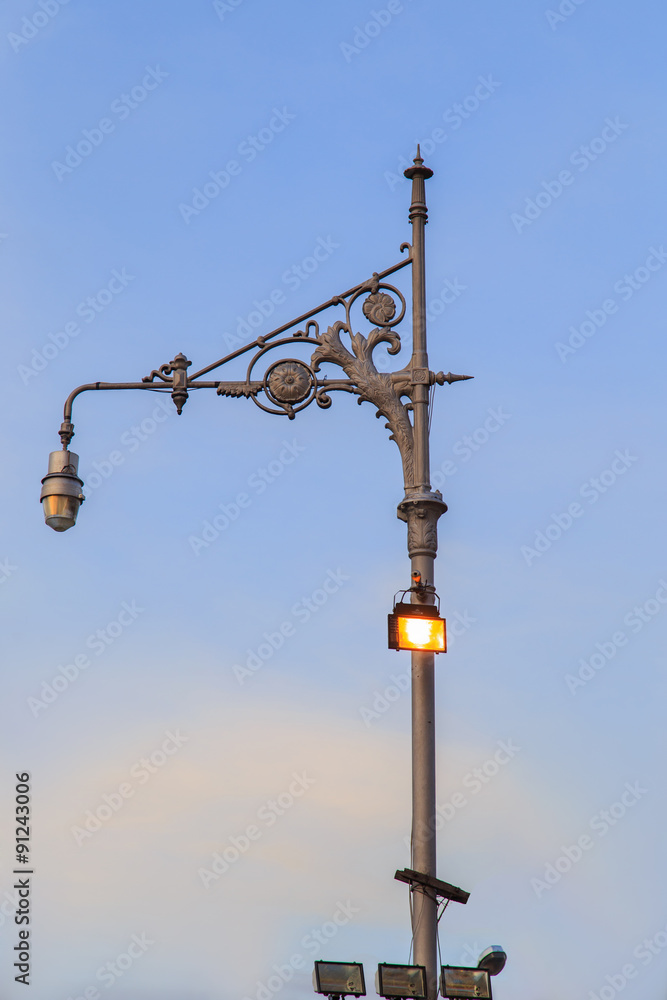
x=289, y=384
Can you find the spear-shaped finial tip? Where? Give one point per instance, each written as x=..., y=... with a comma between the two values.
x=441, y=378
x=418, y=170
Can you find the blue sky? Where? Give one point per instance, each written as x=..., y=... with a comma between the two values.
x=547, y=263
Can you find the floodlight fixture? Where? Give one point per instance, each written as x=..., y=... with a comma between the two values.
x=61, y=494
x=339, y=979
x=441, y=889
x=492, y=959
x=399, y=982
x=417, y=627
x=464, y=984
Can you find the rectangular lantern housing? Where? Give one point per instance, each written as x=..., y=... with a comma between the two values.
x=464, y=984
x=398, y=982
x=339, y=979
x=417, y=626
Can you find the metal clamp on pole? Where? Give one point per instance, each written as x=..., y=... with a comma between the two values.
x=441, y=890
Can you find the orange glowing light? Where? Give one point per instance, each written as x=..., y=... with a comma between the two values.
x=421, y=633
x=417, y=626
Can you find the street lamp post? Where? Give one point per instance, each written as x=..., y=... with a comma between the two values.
x=287, y=386
x=421, y=509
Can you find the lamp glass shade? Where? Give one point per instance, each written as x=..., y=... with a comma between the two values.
x=461, y=984
x=339, y=979
x=60, y=511
x=400, y=981
x=417, y=626
x=422, y=633
x=492, y=959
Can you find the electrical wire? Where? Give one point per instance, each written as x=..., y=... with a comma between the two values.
x=412, y=912
x=414, y=929
x=437, y=928
x=431, y=399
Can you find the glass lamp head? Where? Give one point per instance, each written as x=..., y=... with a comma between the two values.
x=464, y=984
x=61, y=494
x=398, y=982
x=339, y=979
x=492, y=959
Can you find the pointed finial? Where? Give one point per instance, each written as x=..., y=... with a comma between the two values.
x=441, y=378
x=418, y=170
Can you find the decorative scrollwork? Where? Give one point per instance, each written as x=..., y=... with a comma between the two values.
x=288, y=381
x=239, y=388
x=373, y=386
x=379, y=301
x=291, y=384
x=322, y=398
x=312, y=330
x=379, y=308
x=160, y=373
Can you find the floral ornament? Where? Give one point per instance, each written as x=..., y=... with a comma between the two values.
x=373, y=386
x=379, y=308
x=289, y=382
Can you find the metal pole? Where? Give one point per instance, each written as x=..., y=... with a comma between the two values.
x=421, y=509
